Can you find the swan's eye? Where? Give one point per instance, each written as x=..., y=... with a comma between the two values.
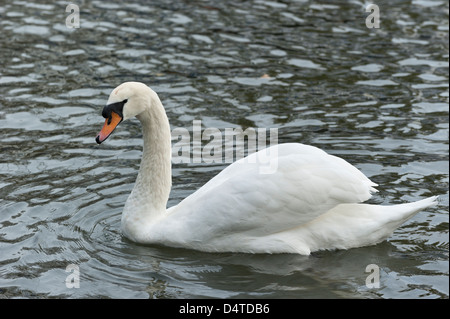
x=114, y=107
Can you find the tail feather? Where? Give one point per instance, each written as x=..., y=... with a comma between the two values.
x=353, y=225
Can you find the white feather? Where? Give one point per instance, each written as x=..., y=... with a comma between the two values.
x=309, y=201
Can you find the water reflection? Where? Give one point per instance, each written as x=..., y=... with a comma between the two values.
x=378, y=98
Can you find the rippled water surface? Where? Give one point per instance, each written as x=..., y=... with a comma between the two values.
x=311, y=69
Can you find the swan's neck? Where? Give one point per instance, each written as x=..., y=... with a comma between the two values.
x=148, y=199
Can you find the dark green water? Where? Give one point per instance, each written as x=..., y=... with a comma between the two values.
x=312, y=70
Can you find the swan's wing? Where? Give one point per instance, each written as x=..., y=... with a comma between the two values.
x=304, y=183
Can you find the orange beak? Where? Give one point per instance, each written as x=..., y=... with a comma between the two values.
x=108, y=127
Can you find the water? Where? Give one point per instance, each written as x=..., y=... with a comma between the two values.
x=376, y=97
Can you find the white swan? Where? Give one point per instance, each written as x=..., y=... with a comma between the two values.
x=312, y=201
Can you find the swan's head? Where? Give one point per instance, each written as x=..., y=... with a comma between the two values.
x=126, y=101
